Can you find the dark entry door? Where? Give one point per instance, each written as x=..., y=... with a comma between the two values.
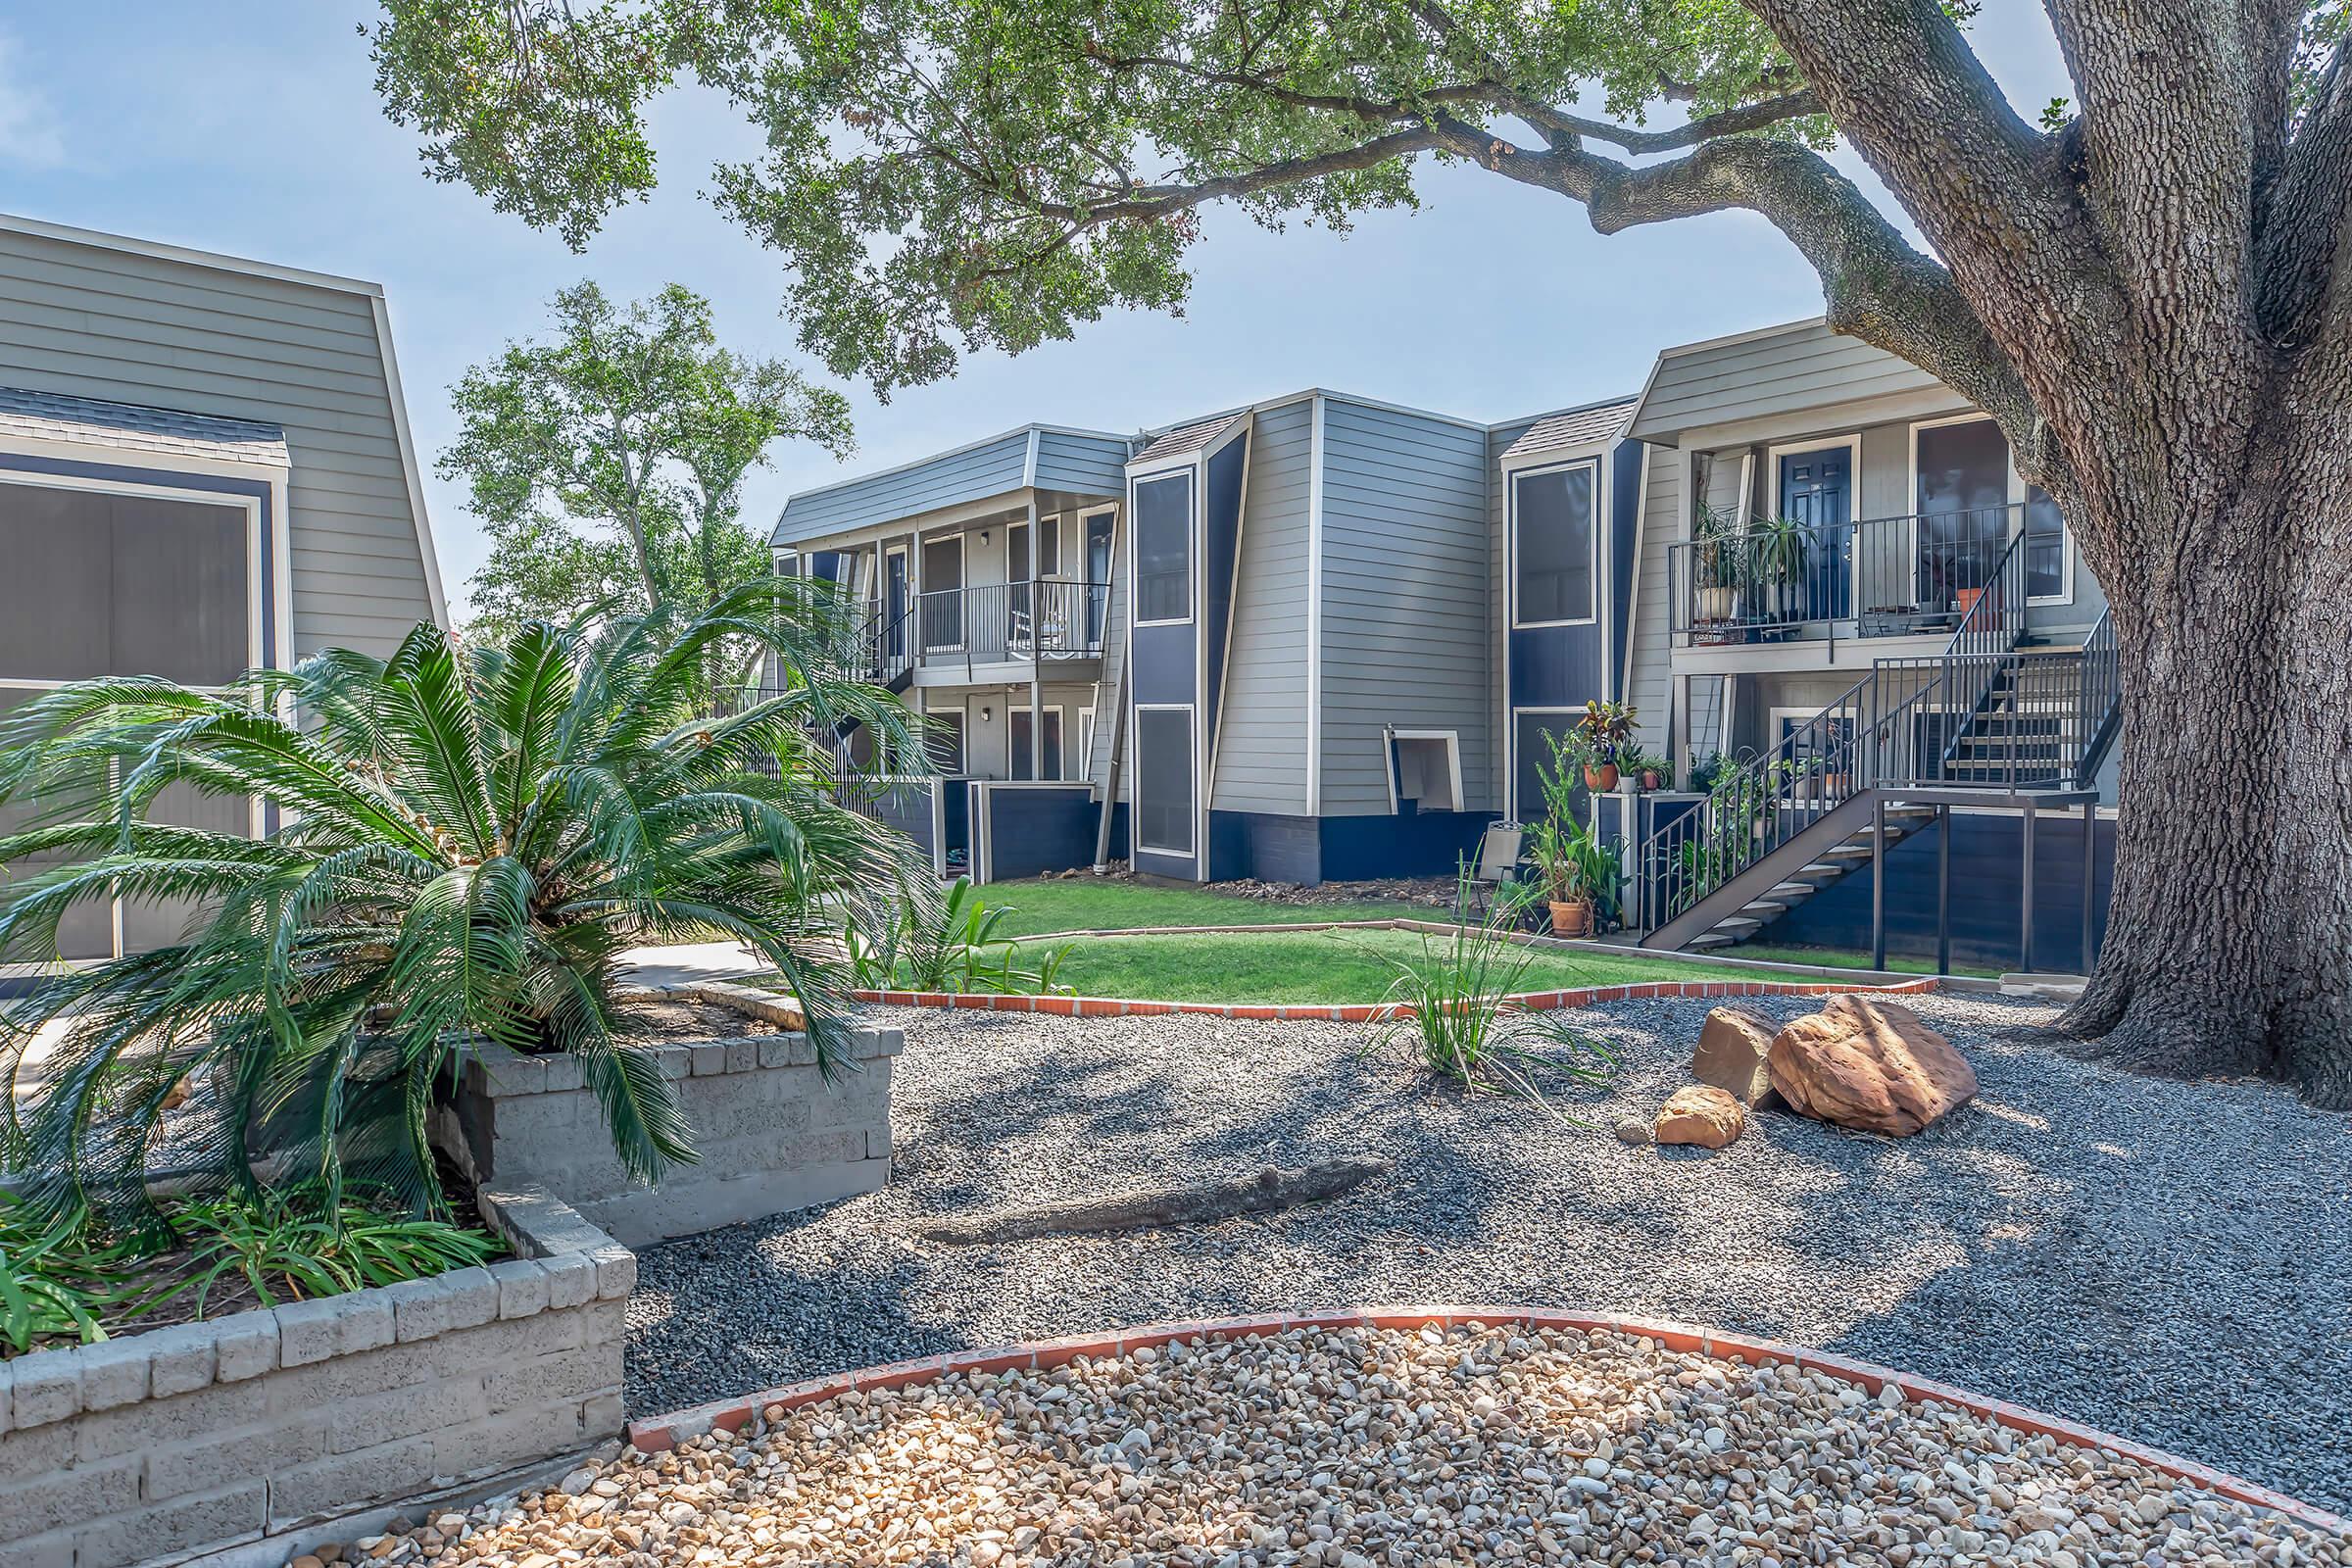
x=1817, y=491
x=1098, y=575
x=894, y=607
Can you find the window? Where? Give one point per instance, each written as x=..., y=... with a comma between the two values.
x=1163, y=549
x=942, y=583
x=1021, y=747
x=111, y=582
x=1427, y=772
x=1163, y=780
x=942, y=741
x=1963, y=502
x=1086, y=743
x=1552, y=546
x=2049, y=564
x=1532, y=732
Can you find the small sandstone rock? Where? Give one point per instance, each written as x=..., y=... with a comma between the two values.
x=1732, y=1045
x=1633, y=1130
x=1700, y=1114
x=1870, y=1065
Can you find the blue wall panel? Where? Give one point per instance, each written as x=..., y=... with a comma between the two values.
x=1987, y=896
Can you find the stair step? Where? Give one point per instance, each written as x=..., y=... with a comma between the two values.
x=1827, y=874
x=1763, y=908
x=1710, y=939
x=1790, y=892
x=1738, y=924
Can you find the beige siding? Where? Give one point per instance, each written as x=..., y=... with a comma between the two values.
x=95, y=321
x=1261, y=726
x=1768, y=374
x=1649, y=679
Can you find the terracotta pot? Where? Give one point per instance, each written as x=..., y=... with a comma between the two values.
x=1572, y=919
x=1967, y=598
x=1650, y=779
x=1603, y=778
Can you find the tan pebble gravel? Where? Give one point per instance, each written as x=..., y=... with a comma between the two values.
x=1369, y=1448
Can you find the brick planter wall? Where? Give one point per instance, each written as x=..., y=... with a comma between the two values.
x=263, y=1426
x=772, y=1133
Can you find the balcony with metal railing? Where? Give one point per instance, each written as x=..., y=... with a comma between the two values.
x=963, y=631
x=1911, y=576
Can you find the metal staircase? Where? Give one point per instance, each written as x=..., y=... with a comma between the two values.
x=1992, y=715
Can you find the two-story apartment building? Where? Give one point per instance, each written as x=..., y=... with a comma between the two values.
x=1325, y=637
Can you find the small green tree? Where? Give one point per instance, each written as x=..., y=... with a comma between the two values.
x=607, y=463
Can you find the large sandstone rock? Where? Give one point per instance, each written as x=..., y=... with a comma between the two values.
x=1871, y=1065
x=1732, y=1045
x=1700, y=1114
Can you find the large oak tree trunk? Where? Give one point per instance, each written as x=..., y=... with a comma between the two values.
x=2229, y=934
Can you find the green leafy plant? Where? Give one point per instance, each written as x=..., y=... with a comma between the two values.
x=1605, y=730
x=1706, y=771
x=54, y=1281
x=296, y=1247
x=1451, y=1007
x=464, y=842
x=948, y=942
x=1637, y=760
x=1779, y=545
x=1720, y=559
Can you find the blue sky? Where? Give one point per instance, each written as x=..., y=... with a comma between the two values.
x=253, y=128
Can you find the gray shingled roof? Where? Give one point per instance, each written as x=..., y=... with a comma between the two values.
x=56, y=417
x=1575, y=427
x=1184, y=438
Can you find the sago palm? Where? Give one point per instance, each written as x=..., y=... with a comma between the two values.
x=462, y=841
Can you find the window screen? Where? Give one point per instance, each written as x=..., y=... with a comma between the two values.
x=102, y=584
x=1021, y=748
x=1163, y=549
x=1553, y=531
x=1963, y=507
x=1163, y=779
x=1533, y=733
x=2045, y=546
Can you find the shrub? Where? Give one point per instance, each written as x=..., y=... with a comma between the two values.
x=465, y=840
x=54, y=1284
x=947, y=942
x=289, y=1247
x=1451, y=1008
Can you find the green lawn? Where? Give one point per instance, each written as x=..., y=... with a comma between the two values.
x=1097, y=904
x=1314, y=966
x=1845, y=958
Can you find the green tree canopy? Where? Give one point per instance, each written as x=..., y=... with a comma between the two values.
x=607, y=463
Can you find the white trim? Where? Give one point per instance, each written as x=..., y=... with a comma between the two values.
x=1510, y=546
x=1135, y=831
x=1086, y=745
x=1195, y=481
x=1511, y=746
x=426, y=555
x=2066, y=548
x=1453, y=760
x=215, y=261
x=1315, y=608
x=1029, y=462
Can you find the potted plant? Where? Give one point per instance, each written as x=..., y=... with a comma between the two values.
x=1606, y=731
x=1581, y=873
x=1966, y=598
x=1716, y=573
x=1648, y=769
x=1777, y=545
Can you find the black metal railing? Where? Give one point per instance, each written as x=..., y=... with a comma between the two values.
x=2101, y=693
x=1904, y=576
x=1050, y=619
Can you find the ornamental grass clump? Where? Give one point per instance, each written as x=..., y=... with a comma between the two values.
x=458, y=844
x=1451, y=1007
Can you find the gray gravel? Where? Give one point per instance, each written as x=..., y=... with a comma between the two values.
x=2169, y=1262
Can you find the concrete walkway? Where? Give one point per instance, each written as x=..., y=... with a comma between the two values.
x=693, y=962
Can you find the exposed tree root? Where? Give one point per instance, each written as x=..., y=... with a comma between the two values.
x=1269, y=1189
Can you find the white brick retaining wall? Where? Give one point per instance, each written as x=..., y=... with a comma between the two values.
x=774, y=1135
x=261, y=1428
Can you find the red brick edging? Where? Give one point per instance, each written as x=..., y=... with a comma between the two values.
x=1379, y=1011
x=656, y=1433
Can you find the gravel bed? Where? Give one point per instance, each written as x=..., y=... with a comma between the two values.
x=2166, y=1261
x=1358, y=1447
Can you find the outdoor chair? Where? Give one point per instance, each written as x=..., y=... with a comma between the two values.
x=1498, y=864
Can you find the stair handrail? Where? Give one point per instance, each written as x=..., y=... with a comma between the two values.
x=1990, y=630
x=2099, y=695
